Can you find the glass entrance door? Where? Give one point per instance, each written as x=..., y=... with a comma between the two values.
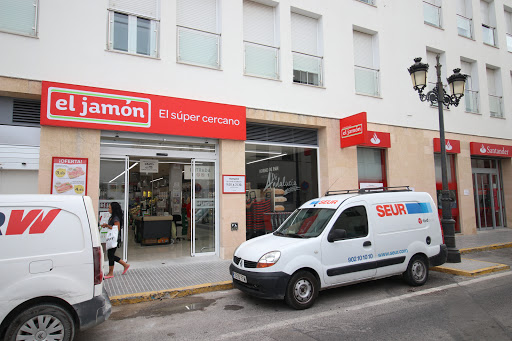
x=203, y=208
x=113, y=187
x=488, y=205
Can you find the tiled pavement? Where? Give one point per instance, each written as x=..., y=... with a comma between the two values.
x=145, y=277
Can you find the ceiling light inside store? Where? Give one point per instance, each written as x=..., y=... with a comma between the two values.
x=267, y=158
x=262, y=152
x=156, y=179
x=155, y=146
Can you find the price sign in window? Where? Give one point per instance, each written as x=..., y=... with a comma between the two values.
x=69, y=176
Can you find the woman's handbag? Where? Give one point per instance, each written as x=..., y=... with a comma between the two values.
x=112, y=238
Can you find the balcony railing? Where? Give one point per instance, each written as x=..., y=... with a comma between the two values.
x=369, y=2
x=261, y=60
x=431, y=14
x=198, y=47
x=464, y=26
x=307, y=69
x=489, y=35
x=509, y=42
x=495, y=106
x=471, y=99
x=367, y=81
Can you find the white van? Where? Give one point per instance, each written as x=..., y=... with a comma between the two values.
x=342, y=239
x=50, y=267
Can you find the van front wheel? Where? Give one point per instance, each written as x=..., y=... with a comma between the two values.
x=302, y=290
x=417, y=271
x=42, y=322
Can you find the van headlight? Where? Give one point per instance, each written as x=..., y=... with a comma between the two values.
x=268, y=259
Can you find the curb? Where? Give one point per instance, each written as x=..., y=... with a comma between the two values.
x=485, y=248
x=170, y=293
x=473, y=273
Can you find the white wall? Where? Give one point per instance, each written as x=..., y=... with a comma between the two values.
x=71, y=48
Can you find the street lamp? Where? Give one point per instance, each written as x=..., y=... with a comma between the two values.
x=439, y=97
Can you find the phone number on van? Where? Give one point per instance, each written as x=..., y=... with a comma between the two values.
x=360, y=258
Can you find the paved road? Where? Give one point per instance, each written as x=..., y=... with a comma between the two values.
x=447, y=308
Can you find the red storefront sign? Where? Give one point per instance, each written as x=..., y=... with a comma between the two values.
x=353, y=130
x=67, y=105
x=377, y=139
x=452, y=146
x=487, y=149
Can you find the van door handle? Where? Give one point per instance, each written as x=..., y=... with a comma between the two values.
x=367, y=243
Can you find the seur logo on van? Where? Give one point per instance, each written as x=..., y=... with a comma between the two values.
x=18, y=222
x=324, y=202
x=388, y=210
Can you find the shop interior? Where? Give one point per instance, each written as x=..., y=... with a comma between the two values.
x=159, y=207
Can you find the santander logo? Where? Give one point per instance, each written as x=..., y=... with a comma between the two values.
x=375, y=139
x=448, y=146
x=483, y=150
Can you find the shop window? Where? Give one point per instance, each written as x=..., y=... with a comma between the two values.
x=371, y=167
x=279, y=180
x=19, y=16
x=198, y=36
x=354, y=221
x=133, y=26
x=452, y=186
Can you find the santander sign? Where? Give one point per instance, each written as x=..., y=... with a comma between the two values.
x=490, y=149
x=69, y=105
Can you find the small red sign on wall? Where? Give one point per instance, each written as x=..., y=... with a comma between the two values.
x=353, y=130
x=68, y=105
x=452, y=146
x=377, y=139
x=487, y=149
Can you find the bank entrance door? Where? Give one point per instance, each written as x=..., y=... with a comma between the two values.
x=488, y=198
x=203, y=220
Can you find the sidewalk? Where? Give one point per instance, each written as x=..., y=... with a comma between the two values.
x=146, y=281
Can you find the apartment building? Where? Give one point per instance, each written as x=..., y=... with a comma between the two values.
x=225, y=114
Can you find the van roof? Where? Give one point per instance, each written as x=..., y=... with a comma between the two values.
x=333, y=200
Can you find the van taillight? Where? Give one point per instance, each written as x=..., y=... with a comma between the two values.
x=98, y=272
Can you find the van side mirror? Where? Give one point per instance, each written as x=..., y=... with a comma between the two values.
x=337, y=234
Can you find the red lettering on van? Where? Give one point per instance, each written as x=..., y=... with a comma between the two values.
x=18, y=224
x=390, y=210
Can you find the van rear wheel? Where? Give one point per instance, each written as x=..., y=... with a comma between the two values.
x=302, y=290
x=42, y=322
x=417, y=271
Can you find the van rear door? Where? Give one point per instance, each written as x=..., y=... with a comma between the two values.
x=352, y=258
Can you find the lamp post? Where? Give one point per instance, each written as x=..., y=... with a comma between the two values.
x=457, y=82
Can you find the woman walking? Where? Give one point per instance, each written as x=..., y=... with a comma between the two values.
x=115, y=222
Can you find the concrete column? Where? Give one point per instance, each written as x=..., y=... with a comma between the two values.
x=466, y=203
x=506, y=165
x=232, y=206
x=70, y=142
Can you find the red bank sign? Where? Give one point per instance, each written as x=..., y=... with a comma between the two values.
x=353, y=130
x=488, y=149
x=377, y=139
x=452, y=146
x=77, y=106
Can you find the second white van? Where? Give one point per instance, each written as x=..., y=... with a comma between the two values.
x=342, y=239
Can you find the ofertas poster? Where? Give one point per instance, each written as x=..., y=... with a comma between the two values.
x=69, y=176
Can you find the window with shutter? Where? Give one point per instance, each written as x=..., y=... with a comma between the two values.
x=19, y=17
x=198, y=36
x=432, y=12
x=508, y=23
x=261, y=52
x=488, y=23
x=464, y=21
x=365, y=68
x=494, y=91
x=134, y=26
x=307, y=59
x=471, y=93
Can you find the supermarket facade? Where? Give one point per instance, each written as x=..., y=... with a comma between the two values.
x=240, y=170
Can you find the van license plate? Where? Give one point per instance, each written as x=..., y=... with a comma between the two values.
x=240, y=277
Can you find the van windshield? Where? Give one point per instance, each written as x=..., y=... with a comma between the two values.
x=305, y=223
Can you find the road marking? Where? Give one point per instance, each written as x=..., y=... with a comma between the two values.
x=329, y=313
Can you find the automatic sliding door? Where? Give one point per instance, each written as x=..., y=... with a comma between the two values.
x=203, y=207
x=113, y=187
